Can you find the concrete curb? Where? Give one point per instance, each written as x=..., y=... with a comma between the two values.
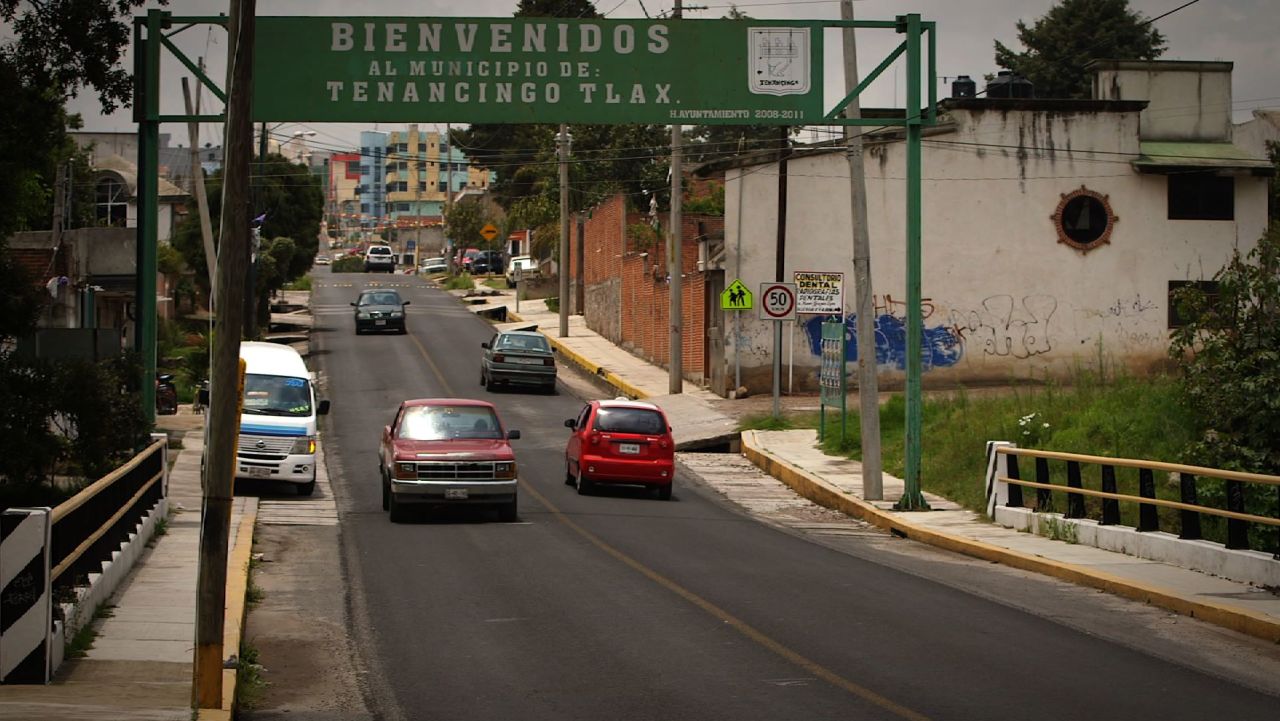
x=581, y=361
x=824, y=494
x=233, y=625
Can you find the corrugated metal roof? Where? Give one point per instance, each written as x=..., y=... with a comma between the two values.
x=1167, y=156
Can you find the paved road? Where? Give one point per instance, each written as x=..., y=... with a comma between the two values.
x=623, y=607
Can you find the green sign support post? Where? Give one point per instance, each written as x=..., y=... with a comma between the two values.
x=547, y=70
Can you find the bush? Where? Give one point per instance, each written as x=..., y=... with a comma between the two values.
x=553, y=304
x=461, y=281
x=348, y=264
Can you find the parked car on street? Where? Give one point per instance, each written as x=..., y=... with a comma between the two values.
x=620, y=442
x=466, y=257
x=433, y=265
x=488, y=262
x=379, y=309
x=379, y=258
x=518, y=358
x=322, y=260
x=446, y=451
x=527, y=265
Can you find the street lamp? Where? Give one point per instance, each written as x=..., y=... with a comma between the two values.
x=301, y=144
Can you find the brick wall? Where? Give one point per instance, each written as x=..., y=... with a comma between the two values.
x=628, y=302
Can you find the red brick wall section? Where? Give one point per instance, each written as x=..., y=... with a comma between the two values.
x=644, y=326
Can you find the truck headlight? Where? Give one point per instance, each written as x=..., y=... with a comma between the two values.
x=306, y=444
x=363, y=316
x=504, y=470
x=406, y=470
x=397, y=314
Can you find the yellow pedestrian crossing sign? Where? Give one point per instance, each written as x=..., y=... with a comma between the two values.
x=735, y=297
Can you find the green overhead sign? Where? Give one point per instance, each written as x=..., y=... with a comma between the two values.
x=537, y=70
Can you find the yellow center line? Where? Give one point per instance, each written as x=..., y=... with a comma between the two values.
x=736, y=623
x=448, y=390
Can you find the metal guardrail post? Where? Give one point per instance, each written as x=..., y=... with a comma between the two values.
x=1044, y=497
x=1237, y=530
x=1015, y=491
x=1075, y=501
x=1110, y=506
x=1190, y=519
x=1148, y=518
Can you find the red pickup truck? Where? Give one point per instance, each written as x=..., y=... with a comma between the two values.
x=445, y=451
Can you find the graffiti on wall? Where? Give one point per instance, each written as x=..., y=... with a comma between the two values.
x=941, y=347
x=1003, y=326
x=1000, y=326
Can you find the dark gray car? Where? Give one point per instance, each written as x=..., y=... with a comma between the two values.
x=518, y=358
x=378, y=310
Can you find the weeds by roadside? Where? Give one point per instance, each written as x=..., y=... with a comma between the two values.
x=250, y=683
x=160, y=529
x=79, y=645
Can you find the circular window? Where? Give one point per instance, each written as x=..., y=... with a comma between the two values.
x=1084, y=219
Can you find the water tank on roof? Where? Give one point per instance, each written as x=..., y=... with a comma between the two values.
x=1007, y=85
x=963, y=87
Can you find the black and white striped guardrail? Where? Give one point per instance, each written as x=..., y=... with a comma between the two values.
x=26, y=603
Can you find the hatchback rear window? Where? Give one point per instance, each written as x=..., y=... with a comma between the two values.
x=630, y=420
x=379, y=251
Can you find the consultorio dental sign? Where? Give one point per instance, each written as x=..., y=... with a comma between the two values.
x=537, y=70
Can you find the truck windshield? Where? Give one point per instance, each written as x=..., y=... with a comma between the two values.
x=276, y=395
x=439, y=423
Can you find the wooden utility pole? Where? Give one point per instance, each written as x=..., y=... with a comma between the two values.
x=224, y=403
x=868, y=384
x=675, y=259
x=197, y=188
x=562, y=146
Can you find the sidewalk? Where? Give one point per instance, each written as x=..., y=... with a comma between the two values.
x=140, y=664
x=794, y=458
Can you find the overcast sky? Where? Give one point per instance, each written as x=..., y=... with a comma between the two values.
x=1246, y=32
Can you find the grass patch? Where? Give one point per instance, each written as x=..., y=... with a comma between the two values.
x=250, y=684
x=303, y=283
x=1117, y=417
x=497, y=283
x=461, y=281
x=253, y=593
x=79, y=645
x=160, y=529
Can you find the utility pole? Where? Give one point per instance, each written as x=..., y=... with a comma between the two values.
x=580, y=297
x=562, y=146
x=675, y=260
x=868, y=384
x=448, y=191
x=780, y=260
x=198, y=190
x=224, y=400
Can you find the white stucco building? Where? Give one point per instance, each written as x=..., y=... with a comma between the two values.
x=1053, y=230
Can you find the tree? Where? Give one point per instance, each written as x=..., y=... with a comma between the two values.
x=290, y=197
x=1229, y=356
x=464, y=221
x=74, y=43
x=1071, y=34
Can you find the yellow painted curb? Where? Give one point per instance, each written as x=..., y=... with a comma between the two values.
x=233, y=624
x=822, y=493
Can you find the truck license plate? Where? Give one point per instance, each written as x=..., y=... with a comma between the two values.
x=455, y=494
x=259, y=472
x=629, y=448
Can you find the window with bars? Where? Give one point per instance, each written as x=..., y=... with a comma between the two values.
x=112, y=203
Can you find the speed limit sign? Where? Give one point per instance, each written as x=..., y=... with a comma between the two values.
x=777, y=301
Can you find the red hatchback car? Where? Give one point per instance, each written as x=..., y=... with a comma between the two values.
x=620, y=442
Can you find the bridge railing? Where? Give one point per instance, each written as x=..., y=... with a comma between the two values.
x=1007, y=479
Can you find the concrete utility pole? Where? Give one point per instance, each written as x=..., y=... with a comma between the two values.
x=198, y=190
x=868, y=384
x=224, y=401
x=580, y=297
x=562, y=146
x=448, y=192
x=675, y=260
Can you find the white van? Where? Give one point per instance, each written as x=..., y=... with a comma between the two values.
x=278, y=419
